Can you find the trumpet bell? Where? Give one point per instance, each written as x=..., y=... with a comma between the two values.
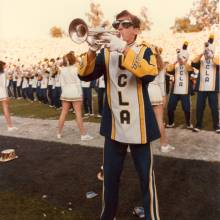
x=78, y=31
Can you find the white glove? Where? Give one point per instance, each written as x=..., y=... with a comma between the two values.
x=92, y=41
x=114, y=42
x=194, y=75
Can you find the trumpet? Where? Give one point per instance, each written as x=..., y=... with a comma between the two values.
x=79, y=32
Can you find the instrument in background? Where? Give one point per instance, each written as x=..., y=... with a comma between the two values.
x=79, y=32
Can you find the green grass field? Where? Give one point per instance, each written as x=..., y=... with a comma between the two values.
x=22, y=108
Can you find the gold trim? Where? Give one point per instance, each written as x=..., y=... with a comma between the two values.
x=142, y=112
x=107, y=57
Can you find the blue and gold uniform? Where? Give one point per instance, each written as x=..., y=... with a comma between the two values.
x=128, y=115
x=128, y=120
x=182, y=86
x=207, y=85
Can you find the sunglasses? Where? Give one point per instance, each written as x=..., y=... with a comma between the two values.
x=124, y=23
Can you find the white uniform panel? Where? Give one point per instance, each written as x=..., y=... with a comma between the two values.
x=181, y=80
x=207, y=76
x=124, y=132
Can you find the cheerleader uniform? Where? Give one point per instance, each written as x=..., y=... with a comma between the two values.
x=70, y=84
x=3, y=90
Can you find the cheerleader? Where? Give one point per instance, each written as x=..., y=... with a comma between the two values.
x=4, y=97
x=71, y=95
x=157, y=94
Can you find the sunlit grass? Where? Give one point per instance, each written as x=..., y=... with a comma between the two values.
x=23, y=108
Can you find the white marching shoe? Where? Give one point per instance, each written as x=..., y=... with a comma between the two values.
x=167, y=148
x=86, y=137
x=59, y=136
x=12, y=128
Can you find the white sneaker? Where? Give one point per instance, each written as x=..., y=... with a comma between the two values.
x=12, y=128
x=170, y=126
x=59, y=136
x=86, y=137
x=217, y=130
x=167, y=148
x=196, y=129
x=189, y=126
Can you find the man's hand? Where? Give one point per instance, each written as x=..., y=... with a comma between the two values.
x=93, y=45
x=114, y=43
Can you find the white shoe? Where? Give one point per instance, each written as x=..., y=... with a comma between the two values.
x=59, y=136
x=196, y=129
x=170, y=126
x=12, y=128
x=217, y=130
x=86, y=137
x=166, y=148
x=189, y=126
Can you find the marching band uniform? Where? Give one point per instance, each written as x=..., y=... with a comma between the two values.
x=101, y=94
x=207, y=86
x=87, y=98
x=43, y=87
x=57, y=91
x=128, y=119
x=14, y=82
x=181, y=88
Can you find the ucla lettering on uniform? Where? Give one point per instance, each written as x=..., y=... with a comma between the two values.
x=135, y=63
x=125, y=117
x=122, y=80
x=121, y=102
x=206, y=79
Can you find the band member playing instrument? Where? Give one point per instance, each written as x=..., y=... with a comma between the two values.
x=71, y=95
x=4, y=97
x=182, y=86
x=128, y=118
x=207, y=85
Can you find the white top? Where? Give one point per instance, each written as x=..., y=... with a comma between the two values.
x=44, y=82
x=85, y=84
x=160, y=81
x=3, y=88
x=101, y=82
x=70, y=84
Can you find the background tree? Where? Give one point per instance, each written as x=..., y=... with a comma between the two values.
x=56, y=32
x=203, y=15
x=95, y=16
x=145, y=23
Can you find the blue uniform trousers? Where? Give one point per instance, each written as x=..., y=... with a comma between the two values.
x=171, y=107
x=213, y=104
x=114, y=155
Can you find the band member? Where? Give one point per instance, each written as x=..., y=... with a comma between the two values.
x=157, y=94
x=71, y=95
x=4, y=97
x=207, y=85
x=182, y=86
x=128, y=118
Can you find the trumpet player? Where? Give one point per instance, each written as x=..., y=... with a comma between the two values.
x=128, y=118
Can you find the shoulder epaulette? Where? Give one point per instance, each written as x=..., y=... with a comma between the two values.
x=189, y=68
x=170, y=68
x=216, y=60
x=196, y=59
